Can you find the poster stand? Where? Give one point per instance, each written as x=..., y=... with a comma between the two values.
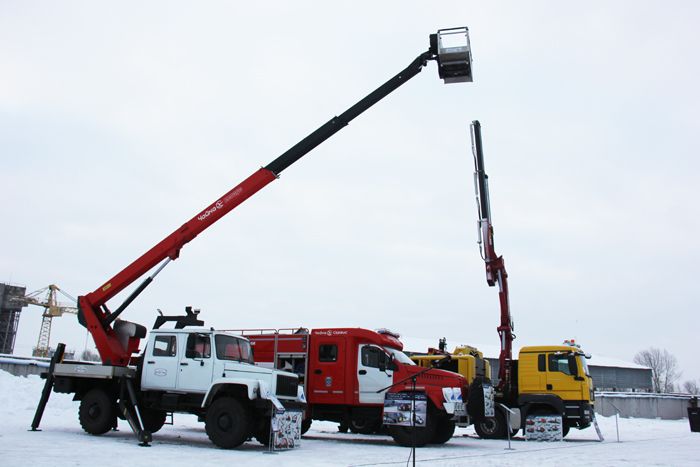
x=285, y=431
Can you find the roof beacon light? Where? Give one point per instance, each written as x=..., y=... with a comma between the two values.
x=454, y=55
x=572, y=343
x=389, y=332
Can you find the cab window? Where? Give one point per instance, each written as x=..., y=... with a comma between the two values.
x=165, y=346
x=561, y=363
x=198, y=346
x=374, y=357
x=232, y=348
x=327, y=353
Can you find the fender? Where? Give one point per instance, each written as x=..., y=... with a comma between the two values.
x=250, y=387
x=435, y=394
x=526, y=401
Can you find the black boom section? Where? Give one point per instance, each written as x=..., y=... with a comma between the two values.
x=334, y=125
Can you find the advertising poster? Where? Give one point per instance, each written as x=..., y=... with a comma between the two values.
x=397, y=409
x=286, y=430
x=489, y=404
x=544, y=428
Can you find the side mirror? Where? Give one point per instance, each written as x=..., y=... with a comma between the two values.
x=573, y=365
x=386, y=361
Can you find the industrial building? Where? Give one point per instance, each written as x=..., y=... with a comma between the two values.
x=10, y=309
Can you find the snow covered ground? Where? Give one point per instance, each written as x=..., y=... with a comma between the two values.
x=63, y=443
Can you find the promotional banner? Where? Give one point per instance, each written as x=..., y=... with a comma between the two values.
x=286, y=430
x=489, y=404
x=544, y=428
x=397, y=408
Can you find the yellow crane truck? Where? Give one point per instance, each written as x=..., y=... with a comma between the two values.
x=545, y=379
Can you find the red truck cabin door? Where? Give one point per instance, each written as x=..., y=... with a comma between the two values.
x=326, y=373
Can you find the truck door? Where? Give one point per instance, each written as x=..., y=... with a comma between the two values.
x=161, y=363
x=326, y=371
x=196, y=364
x=562, y=371
x=372, y=373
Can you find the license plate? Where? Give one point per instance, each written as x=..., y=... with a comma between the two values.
x=460, y=408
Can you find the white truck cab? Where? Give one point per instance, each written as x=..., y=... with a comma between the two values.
x=184, y=370
x=199, y=360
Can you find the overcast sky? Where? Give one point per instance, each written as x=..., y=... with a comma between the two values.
x=120, y=121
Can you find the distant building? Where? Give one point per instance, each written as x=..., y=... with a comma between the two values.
x=10, y=308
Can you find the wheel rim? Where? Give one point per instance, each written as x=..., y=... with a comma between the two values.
x=488, y=426
x=224, y=422
x=359, y=424
x=94, y=411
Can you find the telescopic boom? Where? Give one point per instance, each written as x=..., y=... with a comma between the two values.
x=495, y=266
x=117, y=340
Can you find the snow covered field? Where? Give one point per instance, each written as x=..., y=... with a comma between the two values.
x=63, y=443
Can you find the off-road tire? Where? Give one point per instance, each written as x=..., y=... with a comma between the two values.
x=444, y=430
x=227, y=423
x=97, y=412
x=153, y=420
x=423, y=434
x=364, y=425
x=305, y=425
x=492, y=427
x=262, y=435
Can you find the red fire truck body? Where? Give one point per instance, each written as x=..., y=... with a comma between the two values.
x=347, y=371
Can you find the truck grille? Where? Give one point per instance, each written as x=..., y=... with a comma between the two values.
x=287, y=385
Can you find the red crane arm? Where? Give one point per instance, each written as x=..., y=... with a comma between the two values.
x=92, y=310
x=117, y=340
x=495, y=266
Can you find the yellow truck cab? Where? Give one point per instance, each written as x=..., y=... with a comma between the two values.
x=555, y=379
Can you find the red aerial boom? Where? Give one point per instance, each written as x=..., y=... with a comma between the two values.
x=495, y=267
x=117, y=340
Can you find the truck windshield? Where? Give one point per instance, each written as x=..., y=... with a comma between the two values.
x=233, y=348
x=400, y=356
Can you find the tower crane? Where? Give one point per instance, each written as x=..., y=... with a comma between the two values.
x=47, y=298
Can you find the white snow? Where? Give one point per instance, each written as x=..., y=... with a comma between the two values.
x=23, y=361
x=63, y=443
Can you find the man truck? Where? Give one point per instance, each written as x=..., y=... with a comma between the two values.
x=544, y=379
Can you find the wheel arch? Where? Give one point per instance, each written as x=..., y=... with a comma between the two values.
x=242, y=390
x=530, y=403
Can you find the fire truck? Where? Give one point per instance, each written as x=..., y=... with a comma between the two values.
x=346, y=373
x=232, y=396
